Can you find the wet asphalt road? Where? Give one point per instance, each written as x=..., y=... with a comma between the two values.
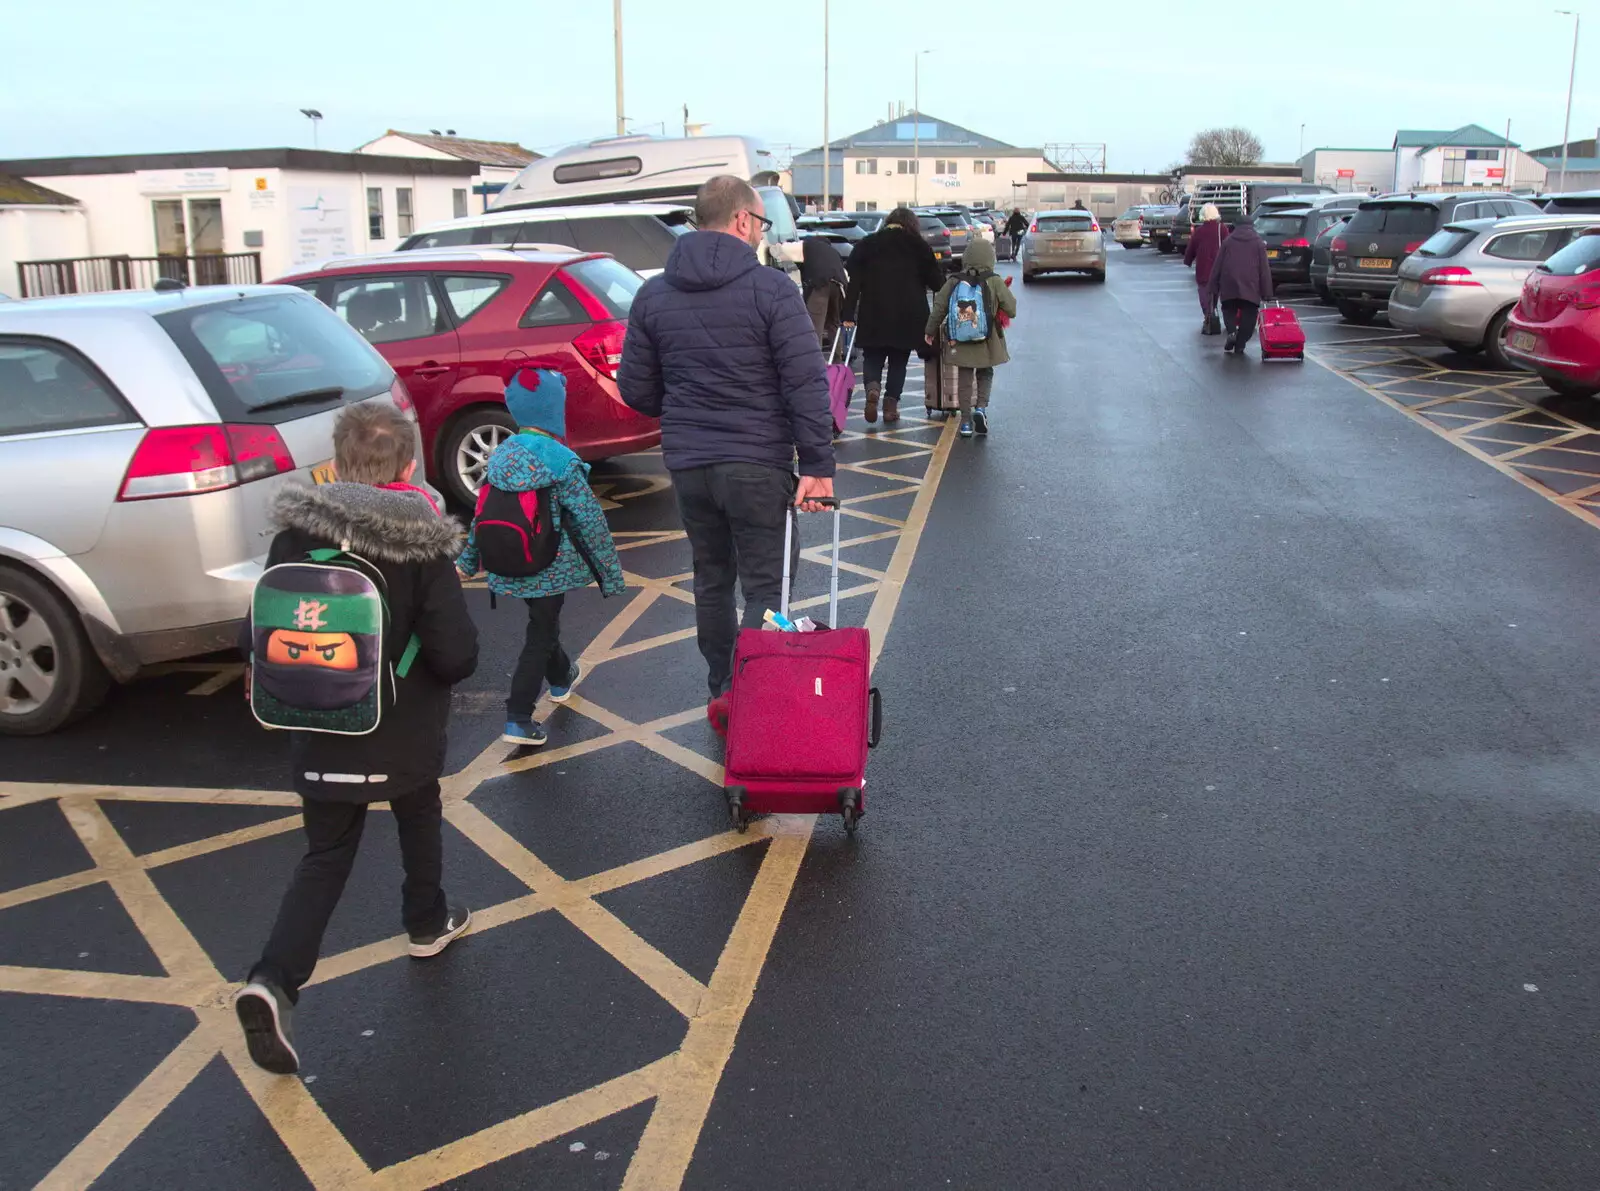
x=1237, y=823
x=1234, y=827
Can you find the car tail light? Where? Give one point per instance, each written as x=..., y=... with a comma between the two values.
x=1035, y=228
x=188, y=460
x=1449, y=275
x=1302, y=242
x=601, y=346
x=1338, y=244
x=401, y=397
x=1414, y=245
x=1094, y=225
x=1588, y=297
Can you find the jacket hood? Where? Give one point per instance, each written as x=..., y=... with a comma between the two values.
x=979, y=254
x=708, y=260
x=376, y=524
x=1246, y=233
x=528, y=461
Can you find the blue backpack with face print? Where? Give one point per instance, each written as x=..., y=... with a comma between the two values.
x=967, y=319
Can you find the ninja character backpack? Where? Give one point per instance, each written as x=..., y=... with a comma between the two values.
x=318, y=630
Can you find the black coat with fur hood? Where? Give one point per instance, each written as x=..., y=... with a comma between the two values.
x=414, y=549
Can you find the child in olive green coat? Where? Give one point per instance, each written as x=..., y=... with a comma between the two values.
x=975, y=361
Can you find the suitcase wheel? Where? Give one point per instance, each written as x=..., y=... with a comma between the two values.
x=739, y=817
x=848, y=801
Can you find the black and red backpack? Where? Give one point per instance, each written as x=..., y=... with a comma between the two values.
x=515, y=532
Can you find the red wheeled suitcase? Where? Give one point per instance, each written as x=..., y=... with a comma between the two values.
x=1281, y=336
x=802, y=715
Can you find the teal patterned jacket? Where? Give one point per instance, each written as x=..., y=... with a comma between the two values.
x=587, y=554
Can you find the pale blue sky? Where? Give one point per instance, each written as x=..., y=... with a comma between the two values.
x=122, y=76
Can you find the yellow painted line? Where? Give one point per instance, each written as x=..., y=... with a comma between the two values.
x=216, y=843
x=905, y=490
x=43, y=889
x=227, y=675
x=523, y=1132
x=90, y=1158
x=25, y=792
x=112, y=986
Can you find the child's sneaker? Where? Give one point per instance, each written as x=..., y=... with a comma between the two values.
x=966, y=429
x=560, y=694
x=980, y=421
x=427, y=946
x=265, y=1014
x=528, y=736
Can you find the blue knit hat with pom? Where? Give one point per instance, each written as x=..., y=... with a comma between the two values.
x=537, y=399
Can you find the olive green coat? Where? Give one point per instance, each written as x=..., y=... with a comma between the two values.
x=991, y=351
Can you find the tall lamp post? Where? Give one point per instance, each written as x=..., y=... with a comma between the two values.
x=1566, y=128
x=316, y=119
x=827, y=149
x=616, y=21
x=916, y=126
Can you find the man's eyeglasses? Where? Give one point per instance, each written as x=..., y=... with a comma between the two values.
x=766, y=224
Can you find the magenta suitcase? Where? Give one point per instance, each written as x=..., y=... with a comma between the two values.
x=1281, y=335
x=841, y=380
x=802, y=715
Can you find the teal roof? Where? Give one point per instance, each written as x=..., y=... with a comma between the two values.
x=1574, y=164
x=1411, y=138
x=1469, y=136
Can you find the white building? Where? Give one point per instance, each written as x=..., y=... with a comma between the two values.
x=498, y=162
x=214, y=215
x=1428, y=159
x=1350, y=171
x=913, y=160
x=36, y=223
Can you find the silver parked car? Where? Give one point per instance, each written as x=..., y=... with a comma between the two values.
x=1064, y=242
x=142, y=437
x=1458, y=288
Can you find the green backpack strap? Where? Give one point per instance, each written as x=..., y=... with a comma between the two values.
x=413, y=647
x=324, y=554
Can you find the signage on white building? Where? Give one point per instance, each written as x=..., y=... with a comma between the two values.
x=181, y=181
x=319, y=223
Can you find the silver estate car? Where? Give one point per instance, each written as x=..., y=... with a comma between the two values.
x=142, y=437
x=1064, y=242
x=1459, y=287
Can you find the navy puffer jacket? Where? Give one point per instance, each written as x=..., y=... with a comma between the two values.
x=721, y=349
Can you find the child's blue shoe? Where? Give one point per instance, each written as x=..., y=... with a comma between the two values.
x=561, y=694
x=966, y=429
x=528, y=736
x=980, y=420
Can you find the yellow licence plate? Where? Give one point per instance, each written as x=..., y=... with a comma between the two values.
x=1524, y=341
x=1272, y=254
x=1376, y=262
x=322, y=473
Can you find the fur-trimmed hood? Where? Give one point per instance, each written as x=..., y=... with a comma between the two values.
x=371, y=522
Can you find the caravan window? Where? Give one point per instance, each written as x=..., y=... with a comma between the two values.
x=597, y=171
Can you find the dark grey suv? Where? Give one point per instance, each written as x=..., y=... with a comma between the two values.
x=1366, y=255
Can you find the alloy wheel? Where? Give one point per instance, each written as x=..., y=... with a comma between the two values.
x=28, y=657
x=472, y=456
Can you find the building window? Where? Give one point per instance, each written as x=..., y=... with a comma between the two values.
x=860, y=206
x=866, y=165
x=458, y=203
x=374, y=213
x=906, y=167
x=1483, y=154
x=944, y=167
x=403, y=225
x=980, y=167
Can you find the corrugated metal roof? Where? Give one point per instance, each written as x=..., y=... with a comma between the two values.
x=507, y=153
x=16, y=191
x=945, y=136
x=1574, y=164
x=1471, y=136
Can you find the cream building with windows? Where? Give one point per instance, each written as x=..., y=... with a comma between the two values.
x=916, y=159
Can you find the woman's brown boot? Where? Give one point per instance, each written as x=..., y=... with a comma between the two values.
x=891, y=410
x=871, y=410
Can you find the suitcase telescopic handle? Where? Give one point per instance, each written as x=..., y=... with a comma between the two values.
x=877, y=718
x=831, y=502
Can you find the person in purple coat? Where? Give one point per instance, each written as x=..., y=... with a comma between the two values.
x=1242, y=279
x=1204, y=245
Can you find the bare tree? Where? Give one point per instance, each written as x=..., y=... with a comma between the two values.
x=1225, y=146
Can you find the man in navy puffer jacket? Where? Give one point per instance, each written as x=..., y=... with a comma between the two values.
x=721, y=349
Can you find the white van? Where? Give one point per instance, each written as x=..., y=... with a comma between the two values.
x=657, y=169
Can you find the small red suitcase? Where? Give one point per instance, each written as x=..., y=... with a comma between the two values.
x=1281, y=336
x=798, y=730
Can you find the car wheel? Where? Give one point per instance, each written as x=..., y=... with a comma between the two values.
x=1325, y=294
x=1099, y=275
x=49, y=673
x=1494, y=342
x=473, y=437
x=1167, y=247
x=1562, y=387
x=1352, y=313
x=1130, y=247
x=1027, y=277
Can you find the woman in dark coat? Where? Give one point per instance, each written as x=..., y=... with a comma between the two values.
x=1242, y=278
x=1204, y=245
x=822, y=282
x=892, y=272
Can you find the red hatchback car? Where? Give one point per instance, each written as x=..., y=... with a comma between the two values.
x=1555, y=327
x=453, y=323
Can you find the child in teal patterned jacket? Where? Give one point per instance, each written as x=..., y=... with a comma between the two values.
x=535, y=458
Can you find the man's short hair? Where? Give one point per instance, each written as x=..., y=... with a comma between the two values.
x=372, y=443
x=722, y=198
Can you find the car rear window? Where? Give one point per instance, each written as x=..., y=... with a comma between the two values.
x=1576, y=259
x=638, y=241
x=612, y=284
x=1064, y=223
x=1280, y=225
x=275, y=358
x=1396, y=219
x=1532, y=245
x=450, y=237
x=1582, y=204
x=47, y=386
x=1447, y=242
x=931, y=223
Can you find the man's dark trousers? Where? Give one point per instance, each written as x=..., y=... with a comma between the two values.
x=333, y=835
x=1240, y=317
x=734, y=515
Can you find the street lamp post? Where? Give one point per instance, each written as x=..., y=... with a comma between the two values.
x=916, y=126
x=1566, y=128
x=616, y=21
x=827, y=149
x=1302, y=152
x=316, y=120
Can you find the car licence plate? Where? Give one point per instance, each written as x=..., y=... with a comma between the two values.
x=1523, y=340
x=323, y=473
x=1272, y=254
x=1376, y=262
